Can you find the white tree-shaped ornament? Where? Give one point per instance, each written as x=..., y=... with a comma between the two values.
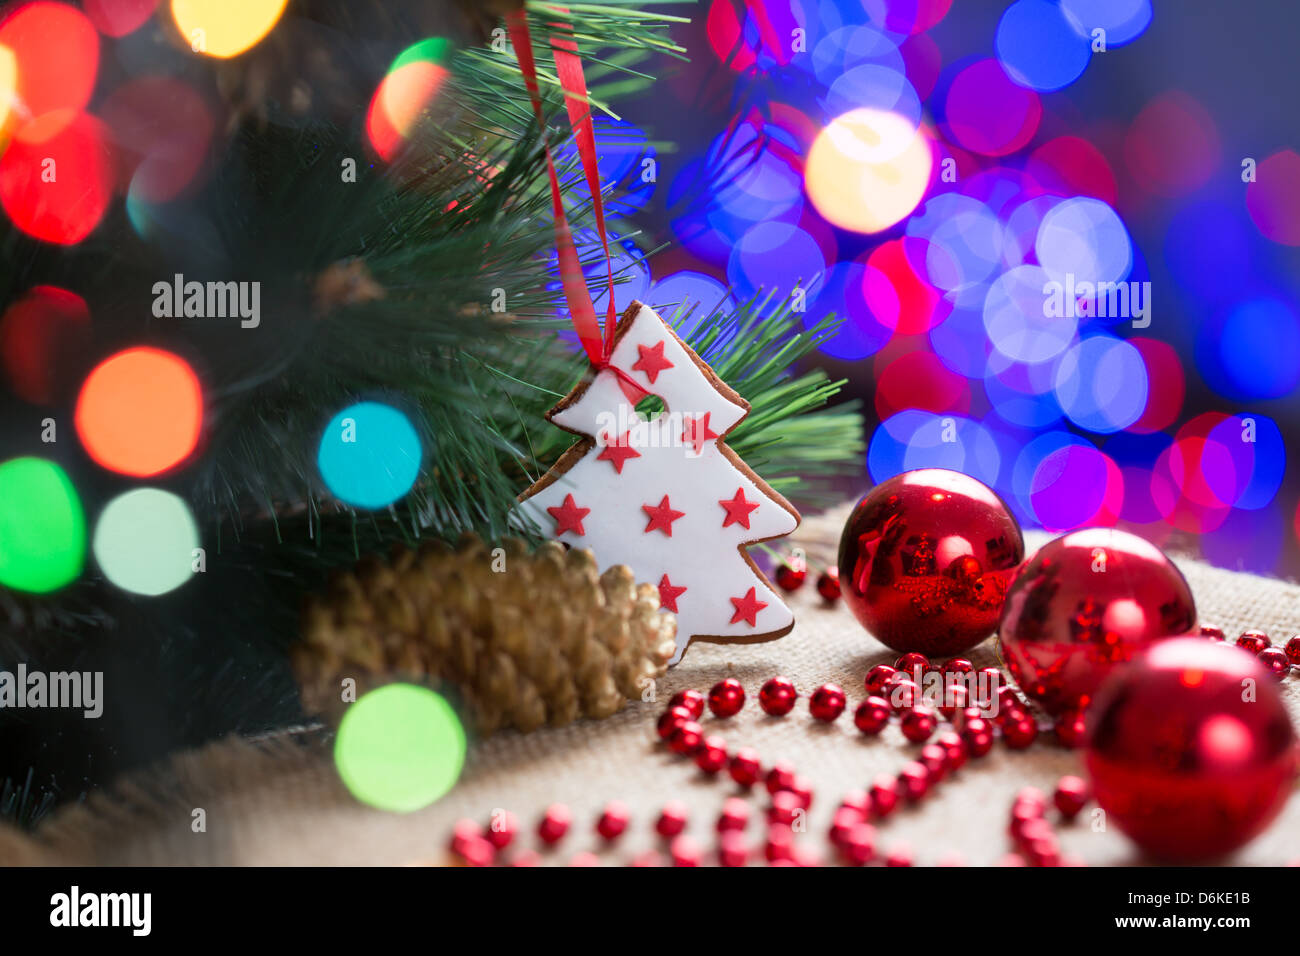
x=667, y=497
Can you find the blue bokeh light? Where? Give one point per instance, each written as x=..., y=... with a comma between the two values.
x=369, y=455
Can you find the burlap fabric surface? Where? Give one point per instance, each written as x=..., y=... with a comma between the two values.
x=279, y=802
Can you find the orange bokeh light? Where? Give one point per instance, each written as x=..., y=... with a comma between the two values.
x=56, y=59
x=140, y=411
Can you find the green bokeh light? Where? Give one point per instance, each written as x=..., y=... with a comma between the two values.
x=145, y=540
x=42, y=526
x=400, y=748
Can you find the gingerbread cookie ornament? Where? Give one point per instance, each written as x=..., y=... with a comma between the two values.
x=666, y=496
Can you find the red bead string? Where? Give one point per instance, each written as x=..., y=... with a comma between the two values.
x=893, y=692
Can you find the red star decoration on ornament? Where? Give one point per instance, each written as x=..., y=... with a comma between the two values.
x=662, y=517
x=738, y=509
x=697, y=431
x=568, y=516
x=747, y=608
x=669, y=593
x=652, y=361
x=618, y=452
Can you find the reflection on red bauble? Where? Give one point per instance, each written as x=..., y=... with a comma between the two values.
x=925, y=560
x=1085, y=603
x=1191, y=749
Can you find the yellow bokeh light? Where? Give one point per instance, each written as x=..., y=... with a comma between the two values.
x=868, y=169
x=8, y=85
x=225, y=28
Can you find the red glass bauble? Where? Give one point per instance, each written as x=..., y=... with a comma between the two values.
x=828, y=584
x=1185, y=760
x=925, y=560
x=827, y=703
x=789, y=577
x=1085, y=603
x=777, y=696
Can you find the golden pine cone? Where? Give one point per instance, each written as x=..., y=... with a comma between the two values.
x=526, y=638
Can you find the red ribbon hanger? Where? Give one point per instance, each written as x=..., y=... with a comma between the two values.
x=568, y=67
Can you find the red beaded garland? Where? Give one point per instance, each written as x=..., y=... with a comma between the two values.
x=726, y=698
x=502, y=828
x=1275, y=661
x=918, y=724
x=1070, y=729
x=954, y=748
x=790, y=578
x=925, y=560
x=613, y=820
x=902, y=693
x=554, y=823
x=785, y=807
x=957, y=665
x=745, y=767
x=692, y=700
x=1213, y=632
x=686, y=739
x=884, y=795
x=672, y=819
x=1084, y=604
x=872, y=715
x=878, y=677
x=1071, y=796
x=684, y=852
x=712, y=755
x=777, y=696
x=1293, y=650
x=1253, y=641
x=827, y=703
x=671, y=719
x=733, y=850
x=859, y=844
x=779, y=777
x=828, y=584
x=734, y=815
x=912, y=662
x=1020, y=732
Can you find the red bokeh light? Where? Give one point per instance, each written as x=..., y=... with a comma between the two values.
x=1172, y=147
x=897, y=295
x=57, y=186
x=44, y=335
x=117, y=18
x=56, y=51
x=161, y=129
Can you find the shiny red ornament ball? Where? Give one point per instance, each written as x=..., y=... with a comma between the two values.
x=613, y=820
x=691, y=700
x=1275, y=661
x=954, y=748
x=925, y=561
x=777, y=696
x=872, y=715
x=554, y=823
x=957, y=665
x=789, y=577
x=918, y=724
x=726, y=697
x=903, y=693
x=828, y=584
x=1253, y=641
x=1071, y=796
x=1087, y=602
x=1293, y=650
x=712, y=755
x=785, y=808
x=733, y=849
x=1213, y=632
x=1182, y=758
x=827, y=703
